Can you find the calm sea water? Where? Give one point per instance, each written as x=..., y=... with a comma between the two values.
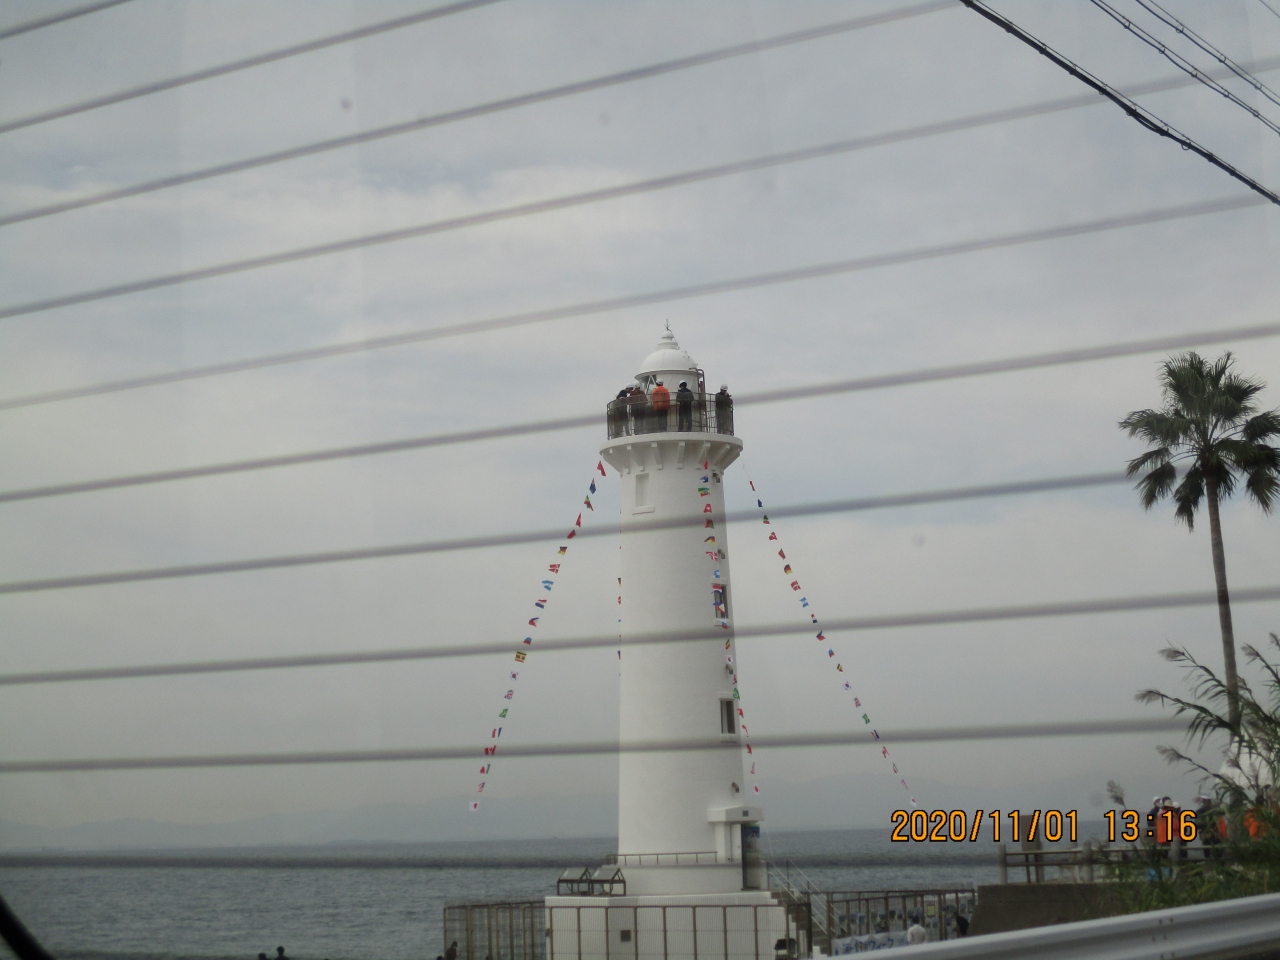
x=385, y=902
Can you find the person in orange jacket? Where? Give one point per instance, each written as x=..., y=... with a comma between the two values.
x=660, y=403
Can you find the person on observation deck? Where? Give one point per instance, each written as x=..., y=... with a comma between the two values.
x=636, y=405
x=618, y=414
x=660, y=403
x=684, y=403
x=724, y=410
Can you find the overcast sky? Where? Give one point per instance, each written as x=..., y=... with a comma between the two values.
x=1191, y=274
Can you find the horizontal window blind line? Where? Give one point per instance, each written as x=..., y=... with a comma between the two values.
x=478, y=110
x=541, y=536
x=235, y=66
x=40, y=23
x=1037, y=611
x=829, y=388
x=973, y=121
x=1022, y=731
x=590, y=197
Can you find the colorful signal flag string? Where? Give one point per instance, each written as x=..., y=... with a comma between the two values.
x=523, y=648
x=845, y=679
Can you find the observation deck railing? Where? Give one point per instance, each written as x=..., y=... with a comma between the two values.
x=662, y=859
x=634, y=416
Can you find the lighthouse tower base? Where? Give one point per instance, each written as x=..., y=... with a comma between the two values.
x=748, y=925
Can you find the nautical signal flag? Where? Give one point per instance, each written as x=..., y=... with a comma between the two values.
x=540, y=603
x=840, y=668
x=813, y=617
x=857, y=702
x=710, y=539
x=480, y=789
x=706, y=464
x=570, y=535
x=490, y=751
x=704, y=491
x=753, y=485
x=578, y=522
x=755, y=788
x=830, y=654
x=706, y=479
x=876, y=735
x=547, y=584
x=726, y=644
x=592, y=488
x=587, y=501
x=753, y=769
x=706, y=508
x=766, y=518
x=772, y=535
x=740, y=712
x=710, y=524
x=515, y=676
x=563, y=551
x=554, y=568
x=497, y=732
x=600, y=467
x=847, y=685
x=527, y=641
x=782, y=555
x=803, y=601
x=503, y=713
x=795, y=585
x=749, y=748
x=508, y=695
x=821, y=635
x=895, y=768
x=866, y=719
x=533, y=622
x=485, y=768
x=475, y=805
x=520, y=656
x=786, y=568
x=885, y=751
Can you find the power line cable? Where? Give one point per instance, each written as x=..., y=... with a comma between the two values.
x=1139, y=113
x=514, y=211
x=1019, y=731
x=258, y=60
x=480, y=110
x=553, y=313
x=1274, y=12
x=1182, y=63
x=420, y=548
x=830, y=388
x=1171, y=21
x=41, y=22
x=503, y=648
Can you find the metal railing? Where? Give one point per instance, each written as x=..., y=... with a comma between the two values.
x=497, y=931
x=606, y=881
x=635, y=932
x=700, y=413
x=1089, y=862
x=1247, y=927
x=662, y=859
x=869, y=920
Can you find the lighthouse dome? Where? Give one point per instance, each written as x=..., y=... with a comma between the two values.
x=667, y=358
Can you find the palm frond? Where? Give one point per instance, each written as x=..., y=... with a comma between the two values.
x=1188, y=494
x=1262, y=427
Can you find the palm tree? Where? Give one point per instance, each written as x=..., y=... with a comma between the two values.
x=1211, y=426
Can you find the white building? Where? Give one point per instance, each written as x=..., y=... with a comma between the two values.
x=688, y=880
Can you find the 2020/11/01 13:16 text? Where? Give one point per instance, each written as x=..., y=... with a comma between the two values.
x=956, y=826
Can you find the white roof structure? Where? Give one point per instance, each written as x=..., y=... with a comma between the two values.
x=667, y=358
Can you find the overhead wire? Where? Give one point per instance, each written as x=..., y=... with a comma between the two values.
x=1137, y=112
x=61, y=17
x=474, y=435
x=482, y=109
x=937, y=618
x=1185, y=65
x=1238, y=70
x=857, y=738
x=557, y=533
x=589, y=197
x=553, y=313
x=235, y=66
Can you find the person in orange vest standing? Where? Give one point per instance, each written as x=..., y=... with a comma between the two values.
x=660, y=403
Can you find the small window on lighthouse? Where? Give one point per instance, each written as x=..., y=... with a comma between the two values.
x=728, y=719
x=642, y=490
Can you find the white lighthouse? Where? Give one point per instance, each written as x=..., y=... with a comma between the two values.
x=688, y=833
